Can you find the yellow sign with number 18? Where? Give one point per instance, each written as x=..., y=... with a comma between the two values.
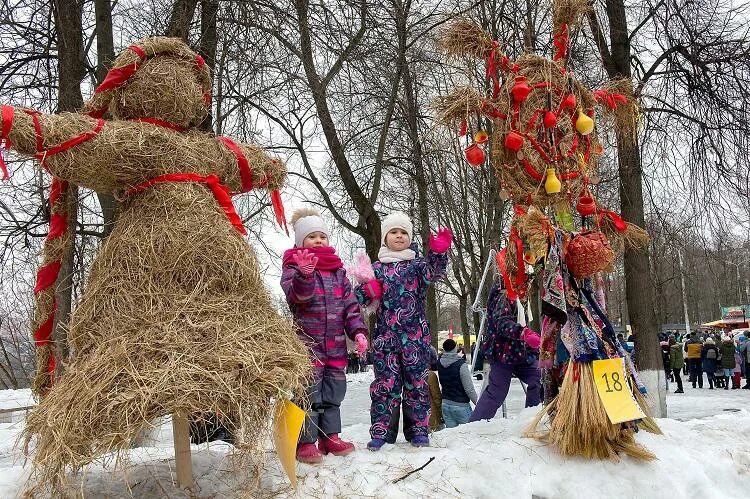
x=614, y=391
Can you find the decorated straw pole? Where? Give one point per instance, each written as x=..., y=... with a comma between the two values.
x=56, y=246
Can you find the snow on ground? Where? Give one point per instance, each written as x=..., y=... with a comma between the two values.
x=705, y=452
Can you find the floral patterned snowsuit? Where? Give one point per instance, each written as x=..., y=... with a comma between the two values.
x=401, y=344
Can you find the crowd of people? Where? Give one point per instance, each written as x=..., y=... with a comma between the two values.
x=723, y=357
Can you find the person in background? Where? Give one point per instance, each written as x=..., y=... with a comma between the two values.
x=693, y=348
x=737, y=373
x=727, y=352
x=710, y=356
x=436, y=397
x=511, y=349
x=676, y=361
x=456, y=385
x=623, y=343
x=665, y=359
x=744, y=347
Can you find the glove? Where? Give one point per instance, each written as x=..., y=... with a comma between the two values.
x=441, y=242
x=361, y=340
x=306, y=262
x=530, y=337
x=373, y=289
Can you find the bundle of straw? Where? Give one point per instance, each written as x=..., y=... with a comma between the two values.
x=569, y=11
x=465, y=38
x=626, y=114
x=579, y=423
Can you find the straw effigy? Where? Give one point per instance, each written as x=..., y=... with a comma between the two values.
x=578, y=424
x=175, y=318
x=544, y=130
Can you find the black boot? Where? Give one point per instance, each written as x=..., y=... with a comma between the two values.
x=726, y=382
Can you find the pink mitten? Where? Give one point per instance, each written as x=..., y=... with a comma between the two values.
x=306, y=262
x=361, y=340
x=373, y=289
x=441, y=242
x=531, y=338
x=361, y=271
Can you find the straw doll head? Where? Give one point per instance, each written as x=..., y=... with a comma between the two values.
x=157, y=78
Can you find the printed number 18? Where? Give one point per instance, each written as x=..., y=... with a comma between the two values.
x=616, y=383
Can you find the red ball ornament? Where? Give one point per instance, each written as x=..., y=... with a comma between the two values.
x=569, y=101
x=550, y=119
x=474, y=155
x=521, y=89
x=514, y=141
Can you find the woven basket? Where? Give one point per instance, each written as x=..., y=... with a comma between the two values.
x=588, y=253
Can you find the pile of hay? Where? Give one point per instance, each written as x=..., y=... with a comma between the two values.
x=175, y=317
x=576, y=422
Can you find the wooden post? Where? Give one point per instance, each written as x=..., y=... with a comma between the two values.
x=183, y=461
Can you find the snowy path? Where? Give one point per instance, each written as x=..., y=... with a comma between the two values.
x=705, y=453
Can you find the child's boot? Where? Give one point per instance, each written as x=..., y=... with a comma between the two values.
x=309, y=453
x=333, y=444
x=420, y=441
x=375, y=444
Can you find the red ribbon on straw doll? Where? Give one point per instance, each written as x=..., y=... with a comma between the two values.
x=7, y=123
x=561, y=41
x=219, y=190
x=611, y=99
x=620, y=224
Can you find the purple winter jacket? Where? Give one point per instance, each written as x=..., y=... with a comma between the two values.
x=325, y=309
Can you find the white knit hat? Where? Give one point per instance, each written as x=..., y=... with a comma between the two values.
x=396, y=220
x=305, y=222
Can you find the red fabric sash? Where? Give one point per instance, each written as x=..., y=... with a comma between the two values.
x=219, y=190
x=248, y=183
x=7, y=122
x=327, y=257
x=117, y=76
x=161, y=123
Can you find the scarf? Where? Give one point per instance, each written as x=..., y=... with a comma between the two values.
x=327, y=257
x=386, y=255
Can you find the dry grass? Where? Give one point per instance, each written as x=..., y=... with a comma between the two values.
x=580, y=425
x=175, y=317
x=465, y=38
x=569, y=11
x=159, y=88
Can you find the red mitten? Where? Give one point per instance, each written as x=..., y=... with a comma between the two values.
x=306, y=262
x=373, y=289
x=531, y=338
x=441, y=242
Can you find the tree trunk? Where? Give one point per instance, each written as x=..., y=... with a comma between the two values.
x=368, y=223
x=105, y=52
x=207, y=47
x=182, y=15
x=638, y=289
x=71, y=70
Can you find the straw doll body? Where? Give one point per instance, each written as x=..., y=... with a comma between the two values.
x=401, y=343
x=325, y=309
x=175, y=316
